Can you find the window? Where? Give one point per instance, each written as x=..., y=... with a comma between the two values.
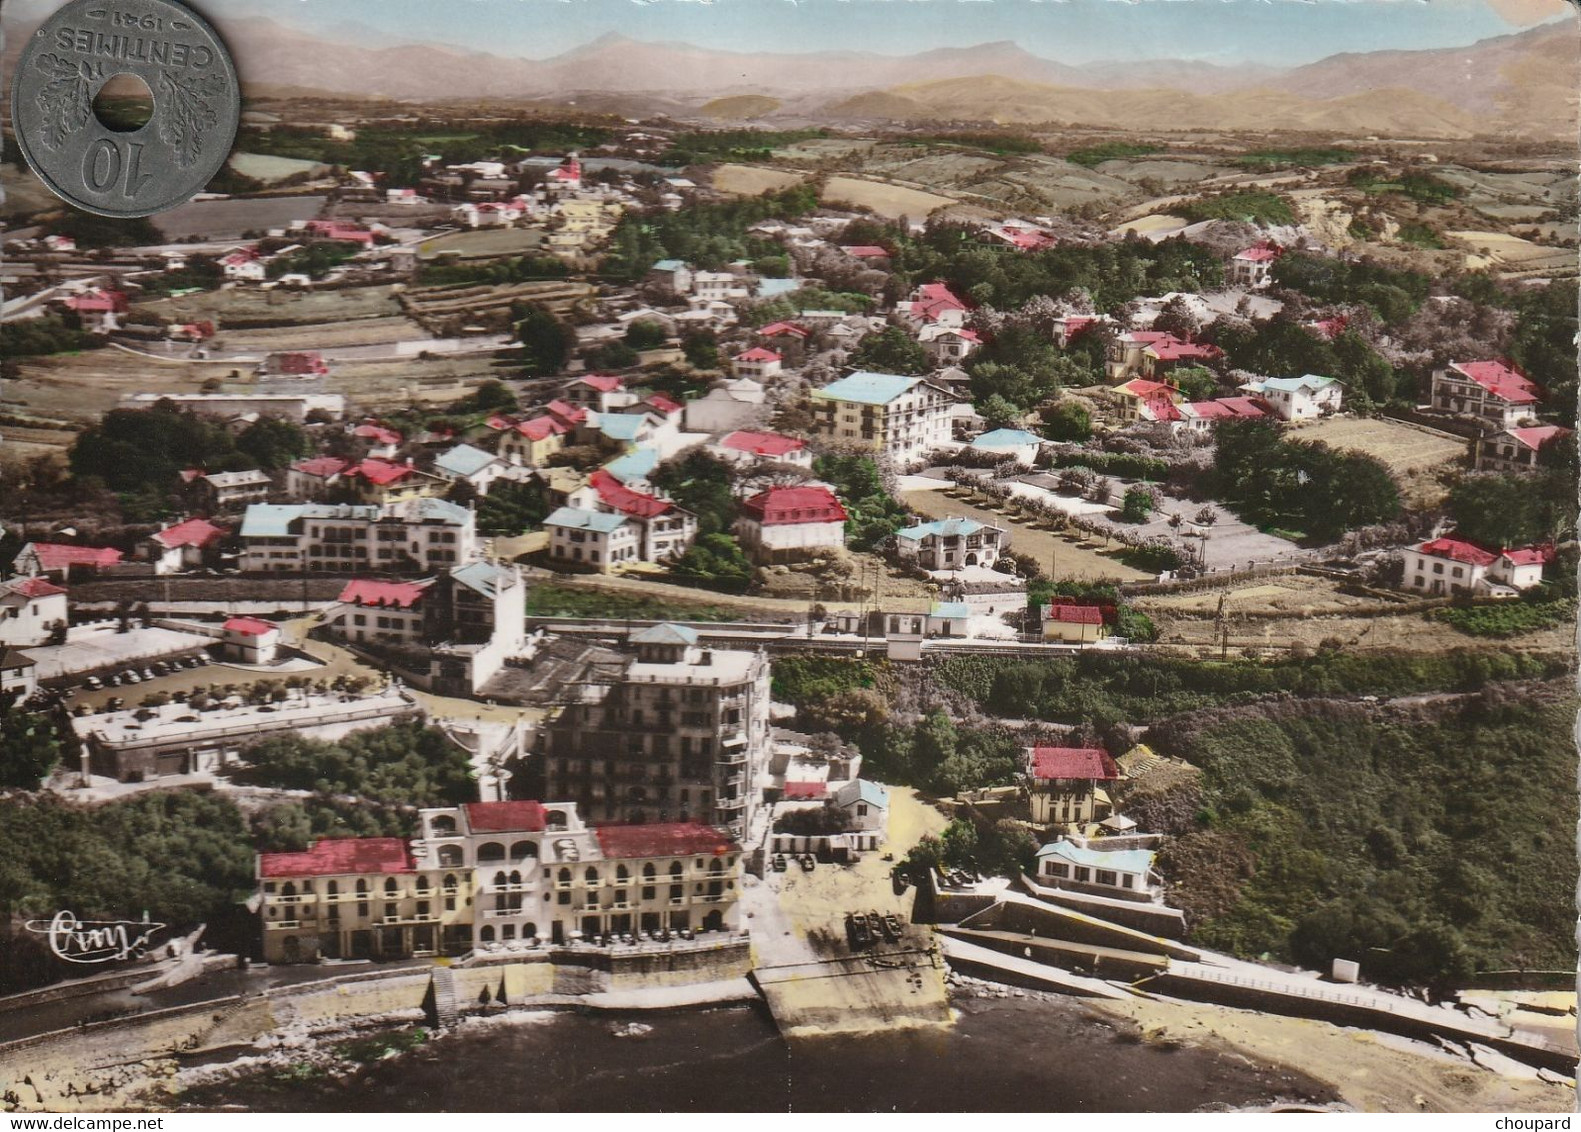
x=1056, y=868
x=1083, y=873
x=1106, y=876
x=449, y=856
x=442, y=826
x=490, y=852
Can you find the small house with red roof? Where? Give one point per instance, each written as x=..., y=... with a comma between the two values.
x=1494, y=393
x=249, y=640
x=382, y=442
x=1066, y=785
x=294, y=363
x=1458, y=567
x=531, y=443
x=1201, y=416
x=182, y=546
x=62, y=562
x=787, y=331
x=1253, y=267
x=934, y=304
x=315, y=479
x=99, y=309
x=1164, y=354
x=1074, y=624
x=1142, y=399
x=343, y=231
x=664, y=530
x=757, y=364
x=565, y=177
x=871, y=254
x=1516, y=449
x=385, y=612
x=244, y=265
x=784, y=524
x=746, y=447
x=385, y=481
x=32, y=612
x=598, y=392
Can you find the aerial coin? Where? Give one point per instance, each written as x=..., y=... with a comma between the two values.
x=109, y=159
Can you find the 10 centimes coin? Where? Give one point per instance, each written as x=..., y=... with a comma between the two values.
x=125, y=172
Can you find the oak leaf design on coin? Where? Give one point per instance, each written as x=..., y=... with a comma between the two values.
x=65, y=99
x=186, y=114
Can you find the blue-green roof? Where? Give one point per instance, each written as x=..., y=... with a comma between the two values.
x=430, y=508
x=270, y=520
x=1120, y=860
x=950, y=609
x=1007, y=438
x=769, y=288
x=1292, y=384
x=584, y=520
x=869, y=388
x=464, y=460
x=634, y=465
x=665, y=634
x=941, y=527
x=669, y=265
x=860, y=789
x=484, y=577
x=621, y=426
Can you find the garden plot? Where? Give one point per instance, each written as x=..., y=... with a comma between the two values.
x=483, y=243
x=239, y=306
x=1417, y=456
x=889, y=201
x=753, y=180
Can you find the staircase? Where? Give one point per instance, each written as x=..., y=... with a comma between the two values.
x=441, y=1003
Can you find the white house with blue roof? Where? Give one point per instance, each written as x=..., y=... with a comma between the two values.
x=1126, y=873
x=902, y=418
x=949, y=544
x=866, y=804
x=1299, y=398
x=1017, y=443
x=474, y=466
x=592, y=539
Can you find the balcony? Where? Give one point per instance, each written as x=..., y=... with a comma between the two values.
x=502, y=913
x=415, y=918
x=677, y=902
x=286, y=924
x=296, y=898
x=716, y=897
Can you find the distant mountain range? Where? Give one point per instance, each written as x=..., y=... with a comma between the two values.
x=1524, y=84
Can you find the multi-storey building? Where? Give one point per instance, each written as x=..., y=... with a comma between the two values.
x=491, y=873
x=1063, y=784
x=1493, y=393
x=32, y=611
x=902, y=418
x=1516, y=449
x=784, y=524
x=412, y=536
x=949, y=544
x=669, y=732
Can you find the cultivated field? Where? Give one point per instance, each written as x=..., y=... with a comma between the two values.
x=228, y=219
x=1309, y=611
x=319, y=336
x=890, y=201
x=268, y=168
x=1416, y=456
x=241, y=305
x=753, y=180
x=483, y=243
x=1070, y=557
x=1500, y=250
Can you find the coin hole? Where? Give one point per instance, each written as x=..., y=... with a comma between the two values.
x=124, y=103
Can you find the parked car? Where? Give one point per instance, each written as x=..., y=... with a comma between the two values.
x=779, y=862
x=94, y=683
x=131, y=677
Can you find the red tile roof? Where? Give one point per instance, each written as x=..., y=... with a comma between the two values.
x=299, y=361
x=1073, y=762
x=377, y=432
x=343, y=856
x=673, y=839
x=604, y=383
x=1535, y=438
x=397, y=595
x=1144, y=388
x=866, y=251
x=1530, y=555
x=1172, y=349
x=571, y=414
x=382, y=472
x=500, y=423
x=98, y=301
x=541, y=428
x=1076, y=614
x=758, y=354
x=781, y=329
x=322, y=466
x=617, y=495
x=805, y=790
x=32, y=587
x=193, y=532
x=1228, y=408
x=662, y=403
x=1458, y=550
x=1501, y=380
x=250, y=626
x=779, y=506
x=505, y=817
x=1031, y=241
x=1258, y=254
x=57, y=556
x=762, y=443
x=934, y=299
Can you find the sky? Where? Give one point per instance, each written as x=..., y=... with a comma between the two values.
x=1278, y=33
x=1275, y=32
